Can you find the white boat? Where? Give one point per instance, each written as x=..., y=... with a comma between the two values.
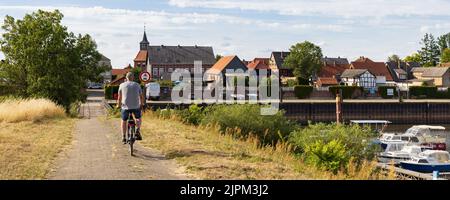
x=398, y=151
x=430, y=136
x=428, y=162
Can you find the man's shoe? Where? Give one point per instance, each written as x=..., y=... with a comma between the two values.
x=138, y=135
x=124, y=141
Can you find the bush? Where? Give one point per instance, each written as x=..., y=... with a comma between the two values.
x=443, y=94
x=348, y=92
x=193, y=115
x=302, y=91
x=354, y=139
x=327, y=156
x=268, y=129
x=423, y=91
x=292, y=83
x=382, y=90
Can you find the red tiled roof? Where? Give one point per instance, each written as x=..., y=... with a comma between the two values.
x=376, y=68
x=332, y=70
x=141, y=56
x=327, y=81
x=220, y=65
x=118, y=80
x=116, y=72
x=259, y=63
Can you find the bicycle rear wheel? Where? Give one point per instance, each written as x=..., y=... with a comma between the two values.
x=131, y=140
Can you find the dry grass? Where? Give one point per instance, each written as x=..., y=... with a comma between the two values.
x=27, y=149
x=18, y=110
x=207, y=154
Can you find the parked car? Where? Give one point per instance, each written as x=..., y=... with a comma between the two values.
x=95, y=86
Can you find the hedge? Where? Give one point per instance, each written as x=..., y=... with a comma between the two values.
x=302, y=91
x=423, y=91
x=382, y=90
x=348, y=92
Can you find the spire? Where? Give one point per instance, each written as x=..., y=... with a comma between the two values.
x=144, y=43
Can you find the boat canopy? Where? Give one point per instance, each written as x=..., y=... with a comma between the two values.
x=421, y=130
x=429, y=127
x=370, y=122
x=440, y=156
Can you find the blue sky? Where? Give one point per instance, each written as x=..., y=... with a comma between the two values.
x=252, y=28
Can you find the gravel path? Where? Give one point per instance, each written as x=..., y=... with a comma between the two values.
x=97, y=152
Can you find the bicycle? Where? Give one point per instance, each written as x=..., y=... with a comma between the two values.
x=131, y=133
x=131, y=130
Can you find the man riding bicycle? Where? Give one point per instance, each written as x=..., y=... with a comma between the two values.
x=131, y=100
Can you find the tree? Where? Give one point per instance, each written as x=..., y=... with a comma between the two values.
x=304, y=60
x=394, y=58
x=430, y=52
x=444, y=42
x=415, y=57
x=445, y=57
x=43, y=59
x=218, y=57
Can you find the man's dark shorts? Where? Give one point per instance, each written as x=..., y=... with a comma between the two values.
x=125, y=113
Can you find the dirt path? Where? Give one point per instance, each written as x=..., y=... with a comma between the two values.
x=97, y=153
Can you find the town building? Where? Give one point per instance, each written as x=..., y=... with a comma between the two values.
x=258, y=64
x=378, y=69
x=161, y=61
x=276, y=62
x=360, y=77
x=331, y=71
x=107, y=75
x=118, y=75
x=218, y=72
x=437, y=76
x=401, y=71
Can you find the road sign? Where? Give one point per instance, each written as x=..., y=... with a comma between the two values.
x=145, y=76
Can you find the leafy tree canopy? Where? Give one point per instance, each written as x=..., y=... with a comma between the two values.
x=43, y=59
x=304, y=59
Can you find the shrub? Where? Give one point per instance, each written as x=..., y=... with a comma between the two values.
x=382, y=90
x=17, y=110
x=302, y=91
x=356, y=139
x=193, y=115
x=423, y=91
x=443, y=94
x=327, y=156
x=247, y=121
x=292, y=83
x=348, y=92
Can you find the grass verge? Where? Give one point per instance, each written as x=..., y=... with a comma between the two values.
x=28, y=149
x=208, y=154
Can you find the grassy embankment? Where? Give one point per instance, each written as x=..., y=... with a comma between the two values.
x=207, y=153
x=32, y=133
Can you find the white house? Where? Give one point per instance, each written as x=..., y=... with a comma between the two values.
x=359, y=77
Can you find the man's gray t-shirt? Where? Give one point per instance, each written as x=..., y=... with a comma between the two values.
x=131, y=92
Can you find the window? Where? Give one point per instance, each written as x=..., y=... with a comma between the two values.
x=170, y=70
x=155, y=71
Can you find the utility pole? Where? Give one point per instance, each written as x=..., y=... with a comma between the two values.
x=339, y=107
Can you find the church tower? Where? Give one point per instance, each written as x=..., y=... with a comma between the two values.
x=142, y=56
x=144, y=44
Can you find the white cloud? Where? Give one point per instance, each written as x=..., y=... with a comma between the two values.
x=119, y=31
x=344, y=8
x=440, y=28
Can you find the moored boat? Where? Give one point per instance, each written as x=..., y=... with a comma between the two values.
x=428, y=162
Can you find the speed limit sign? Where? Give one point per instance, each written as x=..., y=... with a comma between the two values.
x=145, y=76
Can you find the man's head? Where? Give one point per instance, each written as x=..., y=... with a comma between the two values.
x=130, y=76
